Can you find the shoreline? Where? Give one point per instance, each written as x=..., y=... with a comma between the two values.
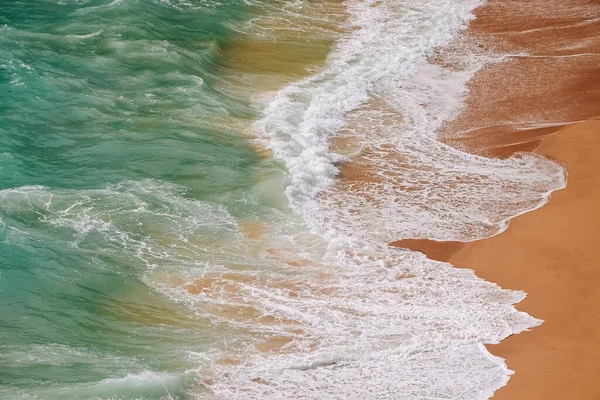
x=550, y=254
x=551, y=82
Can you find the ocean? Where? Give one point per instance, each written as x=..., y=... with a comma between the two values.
x=196, y=201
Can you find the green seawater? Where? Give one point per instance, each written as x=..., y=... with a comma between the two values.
x=123, y=152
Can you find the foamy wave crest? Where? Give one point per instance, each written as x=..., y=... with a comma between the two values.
x=378, y=92
x=389, y=41
x=140, y=386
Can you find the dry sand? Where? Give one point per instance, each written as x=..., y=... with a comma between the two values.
x=550, y=253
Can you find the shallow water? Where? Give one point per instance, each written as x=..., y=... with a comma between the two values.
x=172, y=224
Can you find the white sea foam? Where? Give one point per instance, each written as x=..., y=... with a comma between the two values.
x=372, y=324
x=87, y=36
x=426, y=188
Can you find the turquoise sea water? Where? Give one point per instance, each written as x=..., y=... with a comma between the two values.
x=118, y=142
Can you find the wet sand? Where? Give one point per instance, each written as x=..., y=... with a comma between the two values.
x=534, y=102
x=551, y=77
